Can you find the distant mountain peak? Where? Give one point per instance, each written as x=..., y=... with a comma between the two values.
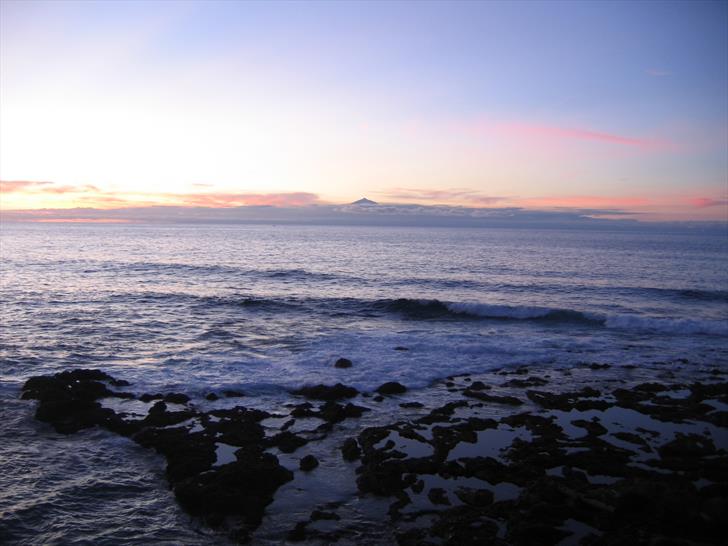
x=365, y=201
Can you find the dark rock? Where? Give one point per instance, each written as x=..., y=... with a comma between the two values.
x=242, y=488
x=592, y=427
x=508, y=400
x=400, y=348
x=687, y=446
x=335, y=413
x=378, y=398
x=287, y=442
x=319, y=515
x=176, y=398
x=392, y=387
x=343, y=363
x=212, y=397
x=411, y=405
x=307, y=463
x=67, y=400
x=233, y=394
x=147, y=397
x=475, y=497
x=478, y=386
x=528, y=382
x=437, y=495
x=298, y=533
x=325, y=392
x=350, y=450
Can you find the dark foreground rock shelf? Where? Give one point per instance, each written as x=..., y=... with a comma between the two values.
x=595, y=455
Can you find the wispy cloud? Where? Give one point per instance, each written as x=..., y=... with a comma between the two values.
x=460, y=195
x=584, y=202
x=9, y=186
x=540, y=134
x=705, y=202
x=28, y=186
x=286, y=199
x=551, y=132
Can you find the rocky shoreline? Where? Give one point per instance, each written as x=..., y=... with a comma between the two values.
x=597, y=454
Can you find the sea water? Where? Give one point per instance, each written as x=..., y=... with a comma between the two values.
x=262, y=309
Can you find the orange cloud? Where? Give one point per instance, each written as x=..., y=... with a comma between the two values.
x=9, y=186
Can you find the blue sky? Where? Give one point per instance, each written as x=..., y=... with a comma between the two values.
x=530, y=104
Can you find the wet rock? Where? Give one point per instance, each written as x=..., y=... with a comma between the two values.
x=325, y=392
x=350, y=450
x=343, y=363
x=408, y=405
x=569, y=400
x=233, y=394
x=507, y=400
x=391, y=387
x=437, y=495
x=478, y=386
x=528, y=382
x=443, y=413
x=378, y=398
x=68, y=400
x=593, y=427
x=400, y=348
x=335, y=413
x=474, y=497
x=176, y=398
x=147, y=397
x=687, y=446
x=242, y=488
x=308, y=463
x=298, y=533
x=633, y=438
x=212, y=397
x=320, y=515
x=287, y=442
x=187, y=454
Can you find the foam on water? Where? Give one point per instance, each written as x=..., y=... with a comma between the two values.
x=265, y=309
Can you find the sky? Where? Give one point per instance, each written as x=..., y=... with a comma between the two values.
x=615, y=108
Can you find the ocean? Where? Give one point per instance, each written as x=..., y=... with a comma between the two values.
x=267, y=308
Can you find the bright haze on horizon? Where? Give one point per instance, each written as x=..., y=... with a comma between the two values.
x=607, y=109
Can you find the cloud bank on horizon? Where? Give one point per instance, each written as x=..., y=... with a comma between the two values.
x=550, y=107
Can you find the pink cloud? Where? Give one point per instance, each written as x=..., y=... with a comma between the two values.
x=548, y=132
x=290, y=199
x=705, y=202
x=545, y=134
x=657, y=73
x=584, y=202
x=30, y=186
x=452, y=194
x=9, y=186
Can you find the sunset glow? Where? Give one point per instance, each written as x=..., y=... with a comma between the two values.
x=125, y=104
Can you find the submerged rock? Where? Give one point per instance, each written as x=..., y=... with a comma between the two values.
x=392, y=387
x=325, y=392
x=350, y=450
x=343, y=363
x=308, y=463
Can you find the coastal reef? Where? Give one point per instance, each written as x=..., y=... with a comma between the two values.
x=594, y=455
